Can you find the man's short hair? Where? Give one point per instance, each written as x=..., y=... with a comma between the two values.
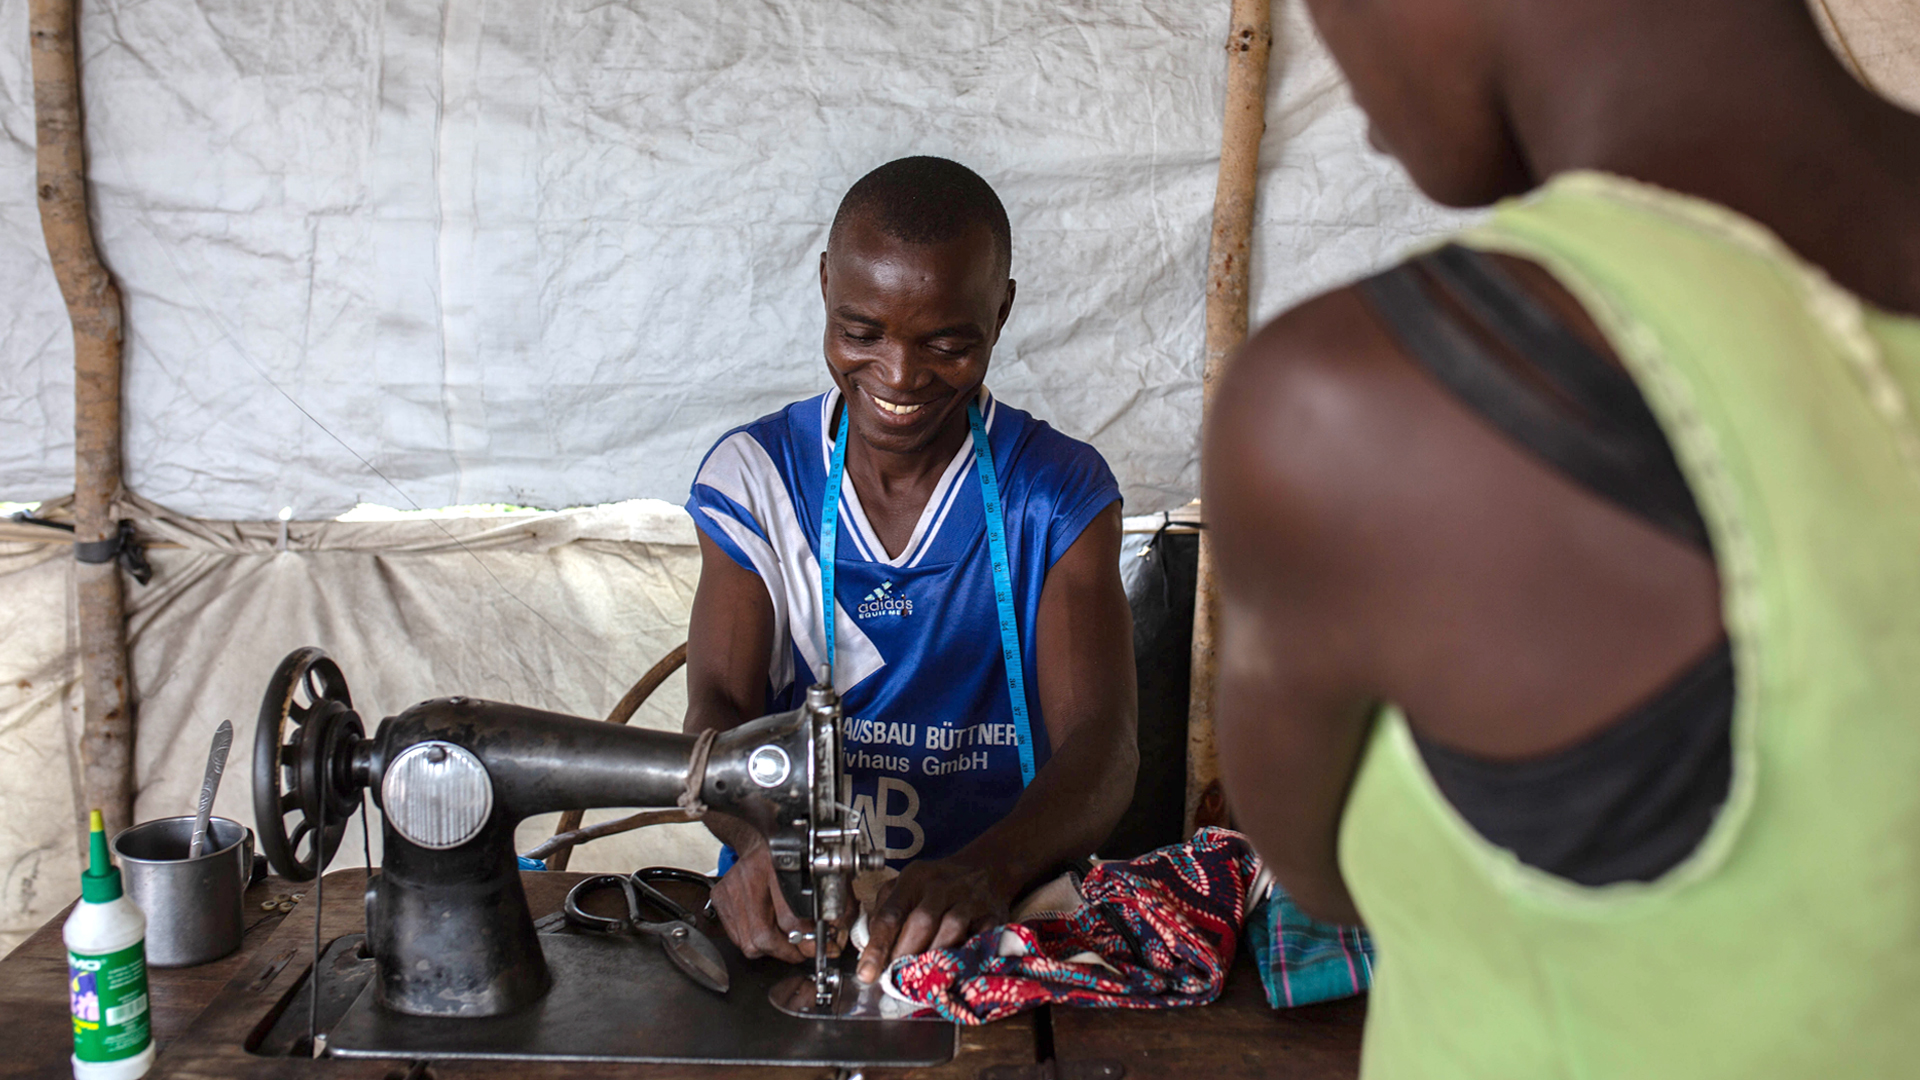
x=927, y=200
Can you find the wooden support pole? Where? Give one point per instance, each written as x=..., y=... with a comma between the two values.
x=1249, y=43
x=93, y=306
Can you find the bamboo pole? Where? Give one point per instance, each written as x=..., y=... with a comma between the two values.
x=1249, y=43
x=93, y=306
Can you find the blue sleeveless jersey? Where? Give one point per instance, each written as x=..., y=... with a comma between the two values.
x=929, y=737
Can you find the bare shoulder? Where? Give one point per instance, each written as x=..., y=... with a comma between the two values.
x=1323, y=393
x=1355, y=502
x=1324, y=342
x=1312, y=432
x=1097, y=548
x=1325, y=433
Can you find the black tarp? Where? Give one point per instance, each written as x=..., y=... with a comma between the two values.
x=1159, y=571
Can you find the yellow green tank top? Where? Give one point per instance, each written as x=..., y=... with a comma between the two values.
x=1788, y=945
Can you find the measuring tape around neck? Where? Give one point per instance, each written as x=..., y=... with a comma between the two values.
x=997, y=549
x=830, y=535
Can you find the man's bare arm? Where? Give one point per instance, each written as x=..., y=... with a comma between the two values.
x=1282, y=488
x=1086, y=685
x=729, y=638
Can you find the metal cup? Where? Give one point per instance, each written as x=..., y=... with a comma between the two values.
x=193, y=906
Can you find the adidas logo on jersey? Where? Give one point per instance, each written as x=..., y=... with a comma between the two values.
x=883, y=601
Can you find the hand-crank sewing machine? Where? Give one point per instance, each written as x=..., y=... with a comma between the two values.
x=449, y=933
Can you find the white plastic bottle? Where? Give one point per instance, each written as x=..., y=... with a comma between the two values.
x=106, y=940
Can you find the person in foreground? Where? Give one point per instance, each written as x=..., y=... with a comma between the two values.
x=1570, y=599
x=977, y=776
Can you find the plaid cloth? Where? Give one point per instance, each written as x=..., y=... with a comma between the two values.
x=1303, y=960
x=1153, y=933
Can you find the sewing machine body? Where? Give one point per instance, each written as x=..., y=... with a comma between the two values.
x=447, y=919
x=449, y=926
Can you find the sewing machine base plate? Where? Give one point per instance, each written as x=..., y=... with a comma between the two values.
x=621, y=999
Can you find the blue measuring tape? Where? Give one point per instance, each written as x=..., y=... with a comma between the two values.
x=997, y=548
x=830, y=534
x=1003, y=591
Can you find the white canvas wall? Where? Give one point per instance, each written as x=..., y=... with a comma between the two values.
x=545, y=253
x=39, y=704
x=542, y=253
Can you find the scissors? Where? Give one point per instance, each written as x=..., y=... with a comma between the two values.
x=688, y=948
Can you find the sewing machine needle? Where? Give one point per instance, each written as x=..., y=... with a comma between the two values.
x=823, y=981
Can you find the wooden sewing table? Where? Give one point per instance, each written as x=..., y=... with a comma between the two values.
x=202, y=1016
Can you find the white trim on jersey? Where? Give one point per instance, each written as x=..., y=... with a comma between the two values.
x=740, y=469
x=932, y=515
x=942, y=500
x=966, y=467
x=921, y=529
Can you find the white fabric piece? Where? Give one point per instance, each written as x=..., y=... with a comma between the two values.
x=1054, y=899
x=1880, y=41
x=566, y=626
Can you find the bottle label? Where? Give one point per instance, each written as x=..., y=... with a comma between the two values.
x=108, y=996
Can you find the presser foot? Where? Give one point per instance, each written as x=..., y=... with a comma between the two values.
x=847, y=999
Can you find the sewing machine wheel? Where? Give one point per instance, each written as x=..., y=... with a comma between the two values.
x=302, y=764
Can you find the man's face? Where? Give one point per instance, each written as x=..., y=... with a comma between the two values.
x=910, y=329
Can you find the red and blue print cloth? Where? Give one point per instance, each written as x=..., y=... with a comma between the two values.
x=1156, y=932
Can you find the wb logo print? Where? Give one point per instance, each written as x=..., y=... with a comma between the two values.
x=883, y=601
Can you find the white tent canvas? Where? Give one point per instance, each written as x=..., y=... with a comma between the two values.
x=427, y=253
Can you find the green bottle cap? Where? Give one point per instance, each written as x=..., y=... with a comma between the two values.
x=101, y=882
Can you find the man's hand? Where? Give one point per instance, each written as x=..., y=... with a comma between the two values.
x=931, y=905
x=755, y=914
x=727, y=644
x=1085, y=676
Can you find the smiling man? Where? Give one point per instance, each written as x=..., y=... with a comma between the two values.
x=975, y=775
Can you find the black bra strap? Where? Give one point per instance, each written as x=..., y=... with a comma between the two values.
x=1525, y=326
x=1607, y=442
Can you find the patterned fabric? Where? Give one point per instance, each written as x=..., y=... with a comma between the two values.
x=1303, y=960
x=1154, y=933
